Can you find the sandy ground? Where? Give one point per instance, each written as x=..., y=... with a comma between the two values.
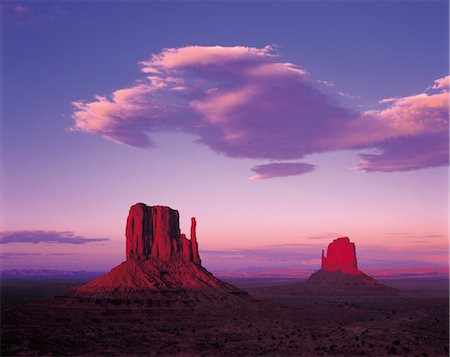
x=280, y=323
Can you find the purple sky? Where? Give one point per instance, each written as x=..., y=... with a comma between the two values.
x=271, y=122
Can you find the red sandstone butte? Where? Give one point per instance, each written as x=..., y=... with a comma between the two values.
x=340, y=273
x=158, y=258
x=154, y=232
x=341, y=256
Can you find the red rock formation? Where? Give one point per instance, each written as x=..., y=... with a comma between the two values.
x=166, y=233
x=154, y=232
x=159, y=258
x=139, y=232
x=195, y=255
x=341, y=256
x=340, y=274
x=186, y=248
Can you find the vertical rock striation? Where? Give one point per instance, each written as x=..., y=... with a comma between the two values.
x=154, y=232
x=166, y=233
x=139, y=232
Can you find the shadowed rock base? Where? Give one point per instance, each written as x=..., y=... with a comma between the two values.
x=146, y=278
x=324, y=282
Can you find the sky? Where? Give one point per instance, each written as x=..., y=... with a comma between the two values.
x=279, y=125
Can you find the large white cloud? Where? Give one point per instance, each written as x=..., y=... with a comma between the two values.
x=245, y=102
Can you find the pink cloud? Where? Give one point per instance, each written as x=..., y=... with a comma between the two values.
x=121, y=118
x=280, y=169
x=193, y=56
x=245, y=102
x=407, y=153
x=418, y=114
x=418, y=135
x=442, y=83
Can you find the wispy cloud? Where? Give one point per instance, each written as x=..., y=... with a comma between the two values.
x=399, y=233
x=329, y=236
x=420, y=123
x=245, y=102
x=17, y=255
x=280, y=169
x=14, y=255
x=409, y=235
x=26, y=14
x=36, y=237
x=435, y=236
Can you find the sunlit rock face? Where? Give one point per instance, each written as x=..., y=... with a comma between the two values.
x=341, y=256
x=154, y=232
x=339, y=273
x=159, y=258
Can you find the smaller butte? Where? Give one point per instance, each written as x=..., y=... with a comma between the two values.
x=339, y=273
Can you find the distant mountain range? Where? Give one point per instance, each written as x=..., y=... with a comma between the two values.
x=48, y=274
x=305, y=273
x=244, y=273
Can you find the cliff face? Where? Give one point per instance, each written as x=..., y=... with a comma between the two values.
x=341, y=256
x=154, y=232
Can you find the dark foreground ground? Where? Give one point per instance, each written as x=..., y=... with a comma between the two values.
x=413, y=323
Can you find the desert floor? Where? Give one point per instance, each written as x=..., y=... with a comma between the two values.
x=415, y=322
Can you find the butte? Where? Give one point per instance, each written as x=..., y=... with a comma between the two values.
x=339, y=273
x=162, y=266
